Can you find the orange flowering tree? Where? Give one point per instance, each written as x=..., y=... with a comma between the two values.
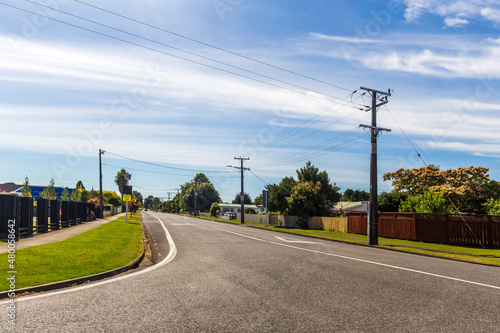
x=466, y=187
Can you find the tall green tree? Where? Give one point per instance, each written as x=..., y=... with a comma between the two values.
x=65, y=194
x=79, y=185
x=247, y=199
x=49, y=192
x=26, y=190
x=137, y=195
x=326, y=195
x=278, y=194
x=258, y=201
x=121, y=179
x=201, y=189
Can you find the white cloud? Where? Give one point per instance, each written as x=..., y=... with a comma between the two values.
x=455, y=22
x=456, y=13
x=491, y=14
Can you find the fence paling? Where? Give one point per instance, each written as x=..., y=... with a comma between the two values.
x=465, y=229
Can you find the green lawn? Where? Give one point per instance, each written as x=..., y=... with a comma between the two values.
x=463, y=253
x=112, y=245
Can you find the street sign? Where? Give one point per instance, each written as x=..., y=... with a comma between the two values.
x=127, y=197
x=127, y=189
x=265, y=197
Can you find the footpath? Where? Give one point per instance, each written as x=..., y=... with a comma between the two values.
x=58, y=235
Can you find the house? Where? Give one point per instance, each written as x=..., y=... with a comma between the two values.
x=236, y=208
x=7, y=188
x=352, y=206
x=11, y=188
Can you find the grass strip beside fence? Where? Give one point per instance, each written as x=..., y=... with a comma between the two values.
x=462, y=253
x=110, y=246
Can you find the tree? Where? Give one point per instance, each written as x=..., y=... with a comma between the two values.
x=65, y=194
x=134, y=205
x=79, y=185
x=324, y=195
x=121, y=179
x=49, y=192
x=355, y=195
x=278, y=194
x=390, y=201
x=76, y=195
x=492, y=206
x=137, y=195
x=148, y=201
x=215, y=209
x=200, y=189
x=247, y=198
x=250, y=211
x=258, y=201
x=428, y=202
x=466, y=187
x=26, y=190
x=111, y=198
x=304, y=201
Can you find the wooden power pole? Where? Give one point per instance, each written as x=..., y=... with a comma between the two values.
x=372, y=228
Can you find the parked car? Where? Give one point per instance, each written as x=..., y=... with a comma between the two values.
x=231, y=215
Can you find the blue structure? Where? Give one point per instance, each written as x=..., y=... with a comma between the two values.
x=36, y=191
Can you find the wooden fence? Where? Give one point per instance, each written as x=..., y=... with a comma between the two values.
x=465, y=229
x=330, y=223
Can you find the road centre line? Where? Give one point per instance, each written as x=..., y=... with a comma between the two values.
x=359, y=260
x=171, y=255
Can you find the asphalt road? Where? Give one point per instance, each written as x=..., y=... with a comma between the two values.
x=213, y=277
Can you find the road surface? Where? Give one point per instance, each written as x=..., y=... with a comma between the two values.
x=214, y=277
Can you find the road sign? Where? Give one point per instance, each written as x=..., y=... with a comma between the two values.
x=265, y=197
x=127, y=197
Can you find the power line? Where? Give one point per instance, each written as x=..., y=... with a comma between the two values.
x=168, y=54
x=210, y=45
x=258, y=177
x=406, y=136
x=332, y=149
x=164, y=166
x=181, y=50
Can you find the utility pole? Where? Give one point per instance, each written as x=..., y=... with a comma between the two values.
x=242, y=195
x=195, y=199
x=372, y=230
x=176, y=206
x=101, y=201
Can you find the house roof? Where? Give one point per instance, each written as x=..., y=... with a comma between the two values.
x=9, y=187
x=346, y=205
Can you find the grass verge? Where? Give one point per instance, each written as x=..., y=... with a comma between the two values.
x=112, y=245
x=463, y=253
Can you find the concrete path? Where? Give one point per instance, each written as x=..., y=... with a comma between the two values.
x=58, y=235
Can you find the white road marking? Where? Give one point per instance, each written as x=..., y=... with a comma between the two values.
x=359, y=260
x=171, y=255
x=294, y=241
x=184, y=224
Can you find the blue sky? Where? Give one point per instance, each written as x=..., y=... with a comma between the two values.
x=66, y=92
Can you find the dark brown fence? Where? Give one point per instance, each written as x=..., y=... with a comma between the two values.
x=465, y=229
x=17, y=213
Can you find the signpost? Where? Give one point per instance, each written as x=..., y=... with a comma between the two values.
x=126, y=198
x=265, y=201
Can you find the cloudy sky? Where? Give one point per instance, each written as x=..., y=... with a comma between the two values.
x=188, y=85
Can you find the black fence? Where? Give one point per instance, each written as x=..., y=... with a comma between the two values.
x=17, y=215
